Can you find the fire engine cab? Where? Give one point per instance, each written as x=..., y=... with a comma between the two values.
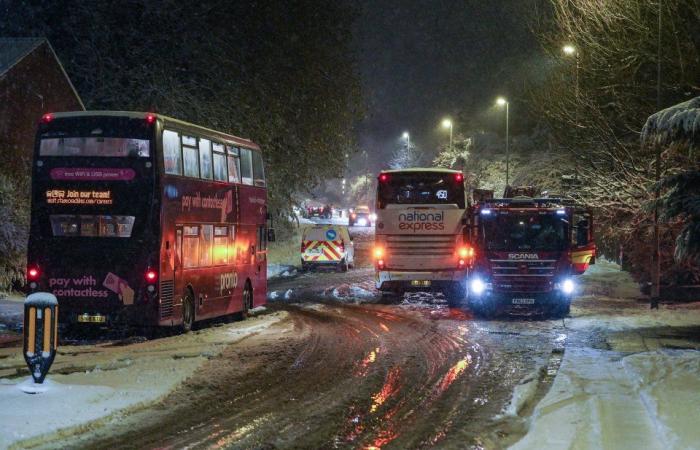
x=528, y=252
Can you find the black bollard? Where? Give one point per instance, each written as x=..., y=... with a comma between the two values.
x=40, y=333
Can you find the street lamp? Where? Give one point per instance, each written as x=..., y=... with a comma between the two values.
x=447, y=123
x=407, y=137
x=501, y=101
x=570, y=50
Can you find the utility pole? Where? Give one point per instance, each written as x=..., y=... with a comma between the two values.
x=656, y=253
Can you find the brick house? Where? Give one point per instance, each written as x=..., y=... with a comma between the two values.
x=32, y=82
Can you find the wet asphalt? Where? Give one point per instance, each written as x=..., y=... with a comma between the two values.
x=345, y=370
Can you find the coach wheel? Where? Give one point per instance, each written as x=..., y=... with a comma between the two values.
x=455, y=296
x=187, y=311
x=247, y=298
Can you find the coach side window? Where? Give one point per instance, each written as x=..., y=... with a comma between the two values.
x=246, y=166
x=258, y=170
x=233, y=165
x=190, y=156
x=172, y=159
x=205, y=158
x=219, y=162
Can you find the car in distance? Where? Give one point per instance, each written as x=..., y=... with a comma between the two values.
x=361, y=216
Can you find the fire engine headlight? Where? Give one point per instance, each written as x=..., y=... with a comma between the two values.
x=567, y=286
x=477, y=286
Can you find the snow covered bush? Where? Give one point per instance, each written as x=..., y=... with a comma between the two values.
x=14, y=227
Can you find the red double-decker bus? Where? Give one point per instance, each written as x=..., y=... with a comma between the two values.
x=145, y=220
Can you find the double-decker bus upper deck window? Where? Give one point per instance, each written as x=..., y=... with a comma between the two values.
x=421, y=188
x=172, y=158
x=258, y=169
x=219, y=160
x=110, y=147
x=246, y=166
x=190, y=156
x=205, y=159
x=233, y=164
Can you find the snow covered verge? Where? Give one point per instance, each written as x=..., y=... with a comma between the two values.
x=90, y=384
x=601, y=399
x=629, y=377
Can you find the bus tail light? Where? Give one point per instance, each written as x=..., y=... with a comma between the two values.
x=151, y=275
x=150, y=118
x=33, y=273
x=380, y=264
x=459, y=177
x=46, y=118
x=383, y=178
x=378, y=253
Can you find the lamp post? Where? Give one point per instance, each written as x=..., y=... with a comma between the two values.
x=447, y=123
x=407, y=137
x=570, y=50
x=501, y=101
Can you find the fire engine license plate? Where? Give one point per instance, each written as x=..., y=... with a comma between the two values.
x=87, y=318
x=523, y=301
x=420, y=283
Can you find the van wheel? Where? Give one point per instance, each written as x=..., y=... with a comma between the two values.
x=187, y=312
x=343, y=265
x=247, y=298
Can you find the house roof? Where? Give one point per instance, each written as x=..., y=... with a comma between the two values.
x=12, y=50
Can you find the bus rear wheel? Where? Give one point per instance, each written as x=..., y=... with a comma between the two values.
x=187, y=311
x=247, y=298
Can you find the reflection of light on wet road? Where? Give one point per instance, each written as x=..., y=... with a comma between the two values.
x=363, y=366
x=452, y=374
x=383, y=327
x=229, y=439
x=390, y=387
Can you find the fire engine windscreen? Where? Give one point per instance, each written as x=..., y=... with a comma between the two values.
x=514, y=232
x=421, y=188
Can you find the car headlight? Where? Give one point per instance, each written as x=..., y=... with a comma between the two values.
x=567, y=286
x=477, y=286
x=362, y=221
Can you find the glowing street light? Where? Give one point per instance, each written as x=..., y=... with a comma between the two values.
x=501, y=101
x=447, y=123
x=569, y=50
x=407, y=137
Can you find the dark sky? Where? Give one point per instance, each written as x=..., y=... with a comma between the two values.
x=422, y=60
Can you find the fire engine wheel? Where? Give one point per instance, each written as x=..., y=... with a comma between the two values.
x=486, y=310
x=562, y=309
x=187, y=311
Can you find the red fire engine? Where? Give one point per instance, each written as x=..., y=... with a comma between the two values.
x=528, y=253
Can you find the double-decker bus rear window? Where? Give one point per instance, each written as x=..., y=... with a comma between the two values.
x=67, y=225
x=421, y=188
x=109, y=147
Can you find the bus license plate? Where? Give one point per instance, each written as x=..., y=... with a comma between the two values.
x=87, y=318
x=420, y=283
x=523, y=301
